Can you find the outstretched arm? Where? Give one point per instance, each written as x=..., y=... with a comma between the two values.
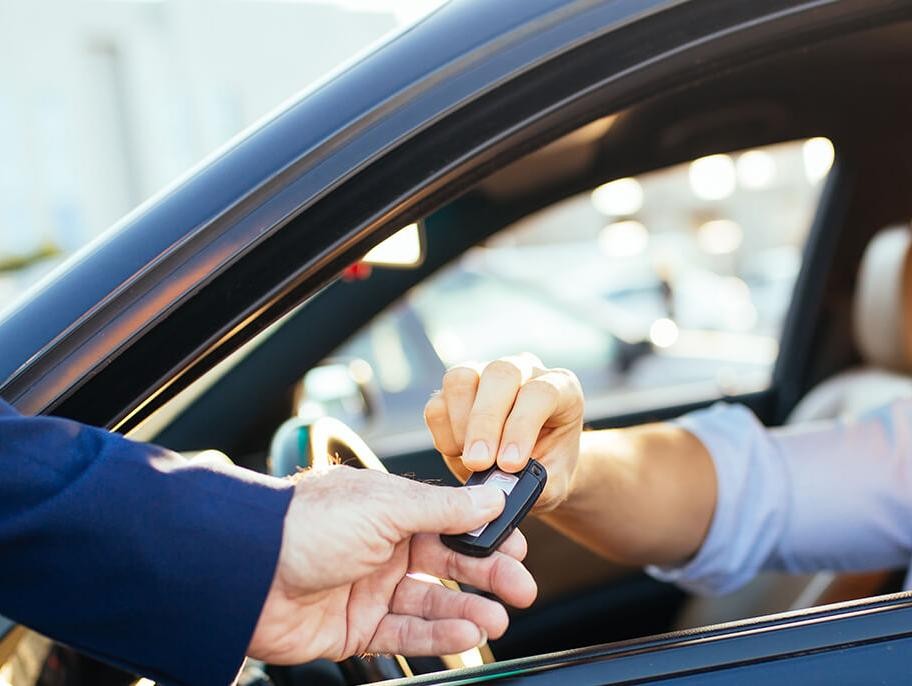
x=706, y=501
x=638, y=496
x=642, y=496
x=175, y=569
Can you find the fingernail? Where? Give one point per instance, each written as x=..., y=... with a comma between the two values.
x=478, y=453
x=510, y=455
x=485, y=497
x=484, y=638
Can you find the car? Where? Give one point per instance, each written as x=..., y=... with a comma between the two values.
x=193, y=322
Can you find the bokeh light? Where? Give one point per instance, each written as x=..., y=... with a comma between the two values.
x=818, y=158
x=712, y=177
x=627, y=238
x=618, y=198
x=720, y=236
x=663, y=333
x=756, y=169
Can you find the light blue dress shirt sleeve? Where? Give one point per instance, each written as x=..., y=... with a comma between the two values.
x=833, y=495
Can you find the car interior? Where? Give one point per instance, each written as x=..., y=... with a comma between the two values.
x=829, y=343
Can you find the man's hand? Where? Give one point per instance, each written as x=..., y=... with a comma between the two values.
x=343, y=583
x=506, y=412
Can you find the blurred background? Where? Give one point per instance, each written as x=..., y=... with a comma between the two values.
x=104, y=102
x=663, y=289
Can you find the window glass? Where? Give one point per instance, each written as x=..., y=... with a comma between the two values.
x=666, y=288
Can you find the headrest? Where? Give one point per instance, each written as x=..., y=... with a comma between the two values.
x=883, y=300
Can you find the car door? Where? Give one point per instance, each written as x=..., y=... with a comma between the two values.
x=252, y=235
x=854, y=645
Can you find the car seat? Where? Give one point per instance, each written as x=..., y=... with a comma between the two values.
x=882, y=331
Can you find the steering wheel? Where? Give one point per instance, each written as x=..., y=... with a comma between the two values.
x=299, y=443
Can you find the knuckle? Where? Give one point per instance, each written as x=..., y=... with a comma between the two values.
x=428, y=603
x=459, y=567
x=543, y=387
x=452, y=564
x=435, y=409
x=504, y=370
x=570, y=378
x=460, y=379
x=404, y=634
x=532, y=358
x=464, y=603
x=574, y=388
x=497, y=572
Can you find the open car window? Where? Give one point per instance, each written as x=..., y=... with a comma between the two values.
x=667, y=288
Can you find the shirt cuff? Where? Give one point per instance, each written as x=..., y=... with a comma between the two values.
x=751, y=502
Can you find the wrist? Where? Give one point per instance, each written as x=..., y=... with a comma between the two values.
x=576, y=483
x=562, y=483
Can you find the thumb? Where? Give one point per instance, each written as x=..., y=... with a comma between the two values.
x=446, y=510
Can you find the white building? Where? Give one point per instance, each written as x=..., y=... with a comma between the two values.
x=102, y=102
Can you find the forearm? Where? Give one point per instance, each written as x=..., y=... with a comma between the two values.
x=714, y=503
x=643, y=495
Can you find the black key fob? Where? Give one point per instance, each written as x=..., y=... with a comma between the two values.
x=522, y=490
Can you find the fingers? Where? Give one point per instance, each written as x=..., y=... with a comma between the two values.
x=515, y=546
x=500, y=573
x=459, y=387
x=510, y=412
x=414, y=636
x=497, y=389
x=550, y=399
x=431, y=619
x=420, y=507
x=435, y=601
x=497, y=416
x=437, y=418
